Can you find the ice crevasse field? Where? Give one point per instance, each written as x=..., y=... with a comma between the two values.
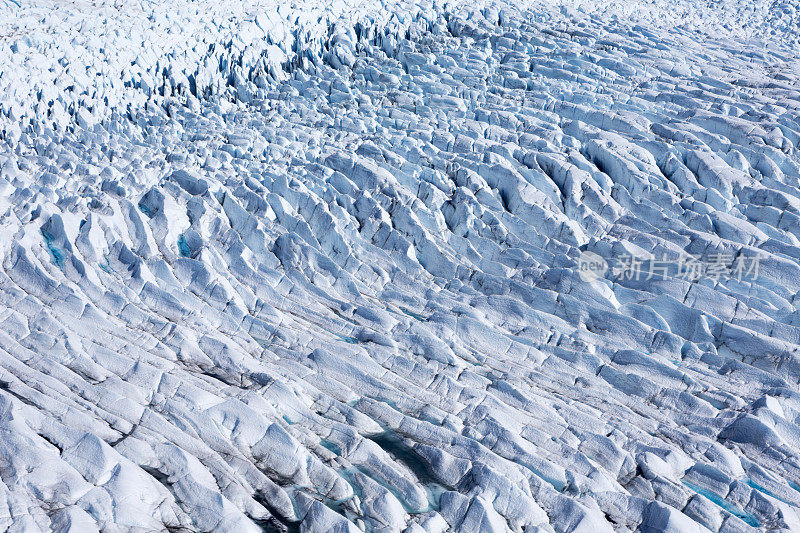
x=362, y=266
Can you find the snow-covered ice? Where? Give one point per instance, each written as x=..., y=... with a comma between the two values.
x=275, y=266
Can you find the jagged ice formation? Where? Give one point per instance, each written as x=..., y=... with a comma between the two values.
x=307, y=267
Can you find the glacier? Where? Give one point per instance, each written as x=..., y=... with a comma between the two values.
x=298, y=266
